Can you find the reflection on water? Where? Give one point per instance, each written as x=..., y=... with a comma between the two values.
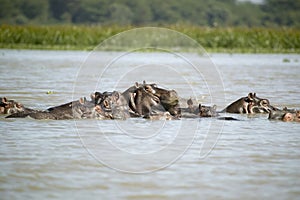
x=59, y=159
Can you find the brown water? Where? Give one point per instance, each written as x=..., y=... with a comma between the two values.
x=142, y=159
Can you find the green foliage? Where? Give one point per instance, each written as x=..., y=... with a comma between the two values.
x=272, y=40
x=212, y=13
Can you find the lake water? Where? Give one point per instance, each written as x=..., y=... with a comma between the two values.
x=142, y=159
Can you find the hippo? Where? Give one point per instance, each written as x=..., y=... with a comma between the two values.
x=149, y=99
x=285, y=115
x=250, y=104
x=79, y=109
x=144, y=91
x=145, y=101
x=160, y=116
x=168, y=98
x=202, y=111
x=113, y=105
x=199, y=111
x=208, y=111
x=11, y=107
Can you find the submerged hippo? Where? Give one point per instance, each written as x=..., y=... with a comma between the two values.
x=250, y=104
x=199, y=111
x=285, y=115
x=160, y=116
x=113, y=105
x=79, y=109
x=208, y=111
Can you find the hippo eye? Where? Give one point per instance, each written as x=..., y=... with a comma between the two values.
x=265, y=103
x=148, y=88
x=19, y=105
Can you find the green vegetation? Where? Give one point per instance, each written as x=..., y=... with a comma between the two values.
x=218, y=25
x=59, y=37
x=212, y=13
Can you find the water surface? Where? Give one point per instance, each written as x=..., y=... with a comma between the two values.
x=253, y=158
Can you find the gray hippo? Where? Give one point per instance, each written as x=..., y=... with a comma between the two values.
x=113, y=105
x=198, y=111
x=208, y=111
x=73, y=110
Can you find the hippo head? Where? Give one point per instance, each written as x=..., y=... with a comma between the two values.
x=10, y=106
x=208, y=111
x=113, y=105
x=168, y=98
x=287, y=117
x=258, y=105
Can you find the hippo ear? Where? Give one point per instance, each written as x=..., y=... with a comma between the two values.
x=189, y=102
x=18, y=105
x=250, y=95
x=93, y=96
x=116, y=95
x=4, y=100
x=214, y=107
x=82, y=100
x=144, y=82
x=254, y=94
x=136, y=84
x=200, y=106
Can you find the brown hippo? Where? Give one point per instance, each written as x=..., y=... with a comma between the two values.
x=11, y=107
x=285, y=115
x=147, y=99
x=249, y=104
x=169, y=99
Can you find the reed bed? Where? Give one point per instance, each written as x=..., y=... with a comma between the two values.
x=80, y=37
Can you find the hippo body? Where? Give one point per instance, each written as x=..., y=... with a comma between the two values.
x=73, y=110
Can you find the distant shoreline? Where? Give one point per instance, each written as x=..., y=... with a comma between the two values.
x=86, y=38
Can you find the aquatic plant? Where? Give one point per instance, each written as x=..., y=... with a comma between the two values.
x=80, y=37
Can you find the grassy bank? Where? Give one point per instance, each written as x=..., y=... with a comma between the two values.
x=68, y=37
